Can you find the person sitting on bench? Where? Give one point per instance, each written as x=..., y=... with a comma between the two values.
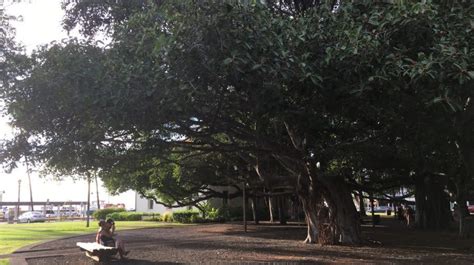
x=97, y=236
x=106, y=237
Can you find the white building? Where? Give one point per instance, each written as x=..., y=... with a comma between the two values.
x=149, y=206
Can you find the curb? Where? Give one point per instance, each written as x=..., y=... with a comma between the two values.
x=15, y=260
x=18, y=260
x=29, y=247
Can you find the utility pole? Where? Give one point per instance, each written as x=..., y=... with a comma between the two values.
x=17, y=212
x=1, y=194
x=97, y=191
x=29, y=182
x=88, y=198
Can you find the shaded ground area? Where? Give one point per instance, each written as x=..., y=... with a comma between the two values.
x=226, y=243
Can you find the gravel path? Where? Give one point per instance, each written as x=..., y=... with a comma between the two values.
x=263, y=244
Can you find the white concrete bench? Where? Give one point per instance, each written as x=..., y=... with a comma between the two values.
x=97, y=251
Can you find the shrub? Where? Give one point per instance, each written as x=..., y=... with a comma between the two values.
x=133, y=216
x=167, y=217
x=185, y=216
x=197, y=219
x=102, y=213
x=126, y=216
x=215, y=215
x=151, y=217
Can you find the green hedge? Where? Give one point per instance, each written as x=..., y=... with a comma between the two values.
x=103, y=213
x=186, y=216
x=151, y=217
x=134, y=216
x=125, y=216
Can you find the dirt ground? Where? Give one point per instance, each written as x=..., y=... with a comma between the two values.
x=389, y=243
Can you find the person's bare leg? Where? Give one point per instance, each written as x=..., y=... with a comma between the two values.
x=121, y=248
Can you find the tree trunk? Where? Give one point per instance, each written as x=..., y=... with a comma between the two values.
x=372, y=208
x=361, y=204
x=309, y=204
x=343, y=211
x=461, y=210
x=420, y=213
x=270, y=208
x=466, y=155
x=281, y=210
x=253, y=202
x=311, y=200
x=461, y=213
x=343, y=223
x=313, y=189
x=432, y=204
x=32, y=206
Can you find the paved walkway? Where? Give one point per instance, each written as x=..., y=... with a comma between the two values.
x=227, y=244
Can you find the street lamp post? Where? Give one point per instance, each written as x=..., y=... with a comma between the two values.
x=88, y=198
x=97, y=191
x=17, y=212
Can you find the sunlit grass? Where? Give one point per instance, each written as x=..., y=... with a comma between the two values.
x=15, y=236
x=4, y=262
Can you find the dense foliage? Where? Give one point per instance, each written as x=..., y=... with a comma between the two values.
x=129, y=216
x=186, y=216
x=102, y=214
x=321, y=99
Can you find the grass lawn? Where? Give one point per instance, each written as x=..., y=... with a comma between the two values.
x=4, y=262
x=14, y=236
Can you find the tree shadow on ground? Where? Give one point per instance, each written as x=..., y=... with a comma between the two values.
x=274, y=243
x=88, y=261
x=137, y=262
x=305, y=254
x=392, y=240
x=266, y=231
x=390, y=234
x=313, y=253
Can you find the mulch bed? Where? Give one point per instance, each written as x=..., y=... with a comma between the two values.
x=270, y=244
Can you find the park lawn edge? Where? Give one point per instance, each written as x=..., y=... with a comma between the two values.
x=18, y=242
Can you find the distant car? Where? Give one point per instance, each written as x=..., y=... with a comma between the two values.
x=471, y=209
x=380, y=209
x=69, y=213
x=51, y=214
x=30, y=217
x=73, y=214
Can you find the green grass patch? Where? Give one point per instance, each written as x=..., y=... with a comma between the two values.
x=4, y=262
x=15, y=236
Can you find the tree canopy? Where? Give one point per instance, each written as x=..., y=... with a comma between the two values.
x=302, y=94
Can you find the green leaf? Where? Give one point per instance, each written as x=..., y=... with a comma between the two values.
x=228, y=61
x=471, y=74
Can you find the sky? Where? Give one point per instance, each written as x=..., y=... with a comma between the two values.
x=41, y=24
